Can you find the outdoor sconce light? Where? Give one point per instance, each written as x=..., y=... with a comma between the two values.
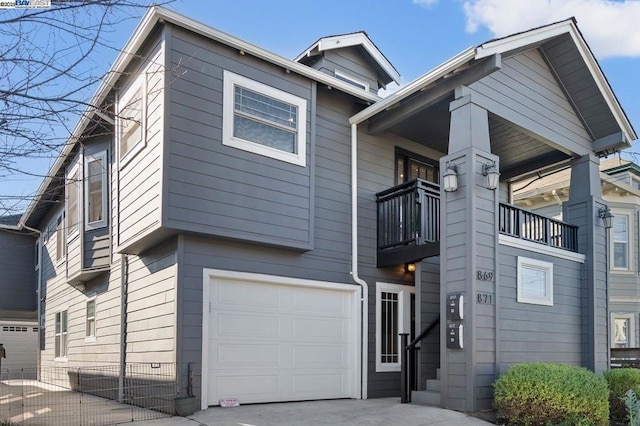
x=410, y=267
x=607, y=217
x=450, y=178
x=491, y=172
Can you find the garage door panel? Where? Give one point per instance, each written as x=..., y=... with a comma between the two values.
x=239, y=355
x=280, y=342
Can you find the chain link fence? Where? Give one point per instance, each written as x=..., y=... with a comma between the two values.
x=94, y=395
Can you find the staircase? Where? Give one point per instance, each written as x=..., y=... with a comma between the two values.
x=430, y=396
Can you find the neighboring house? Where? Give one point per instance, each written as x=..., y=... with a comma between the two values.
x=259, y=218
x=621, y=189
x=19, y=299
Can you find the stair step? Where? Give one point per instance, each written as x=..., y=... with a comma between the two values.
x=433, y=385
x=425, y=397
x=437, y=373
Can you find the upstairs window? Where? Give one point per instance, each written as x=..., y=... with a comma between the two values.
x=620, y=242
x=72, y=189
x=410, y=166
x=95, y=212
x=263, y=120
x=131, y=120
x=61, y=243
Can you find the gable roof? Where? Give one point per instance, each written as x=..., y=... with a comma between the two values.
x=152, y=17
x=359, y=38
x=570, y=58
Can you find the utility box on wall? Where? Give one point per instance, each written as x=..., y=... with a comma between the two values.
x=455, y=307
x=455, y=336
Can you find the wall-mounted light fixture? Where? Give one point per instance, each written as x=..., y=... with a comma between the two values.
x=450, y=178
x=490, y=170
x=607, y=217
x=410, y=267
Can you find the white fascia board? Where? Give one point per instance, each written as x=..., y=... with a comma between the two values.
x=416, y=85
x=540, y=35
x=157, y=14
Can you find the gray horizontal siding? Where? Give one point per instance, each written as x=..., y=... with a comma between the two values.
x=350, y=61
x=97, y=249
x=220, y=190
x=530, y=332
x=17, y=275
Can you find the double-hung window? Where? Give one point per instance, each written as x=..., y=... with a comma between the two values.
x=620, y=254
x=90, y=319
x=394, y=308
x=263, y=120
x=73, y=192
x=61, y=340
x=131, y=116
x=95, y=190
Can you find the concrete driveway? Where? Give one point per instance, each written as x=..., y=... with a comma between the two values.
x=371, y=412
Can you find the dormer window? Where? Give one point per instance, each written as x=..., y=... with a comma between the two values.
x=352, y=81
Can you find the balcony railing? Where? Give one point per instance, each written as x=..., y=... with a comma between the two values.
x=408, y=216
x=526, y=225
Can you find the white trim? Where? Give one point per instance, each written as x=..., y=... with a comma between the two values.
x=348, y=78
x=66, y=355
x=139, y=83
x=618, y=214
x=624, y=299
x=72, y=233
x=404, y=293
x=299, y=157
x=208, y=274
x=539, y=265
x=415, y=86
x=95, y=317
x=632, y=328
x=62, y=221
x=354, y=39
x=510, y=241
x=38, y=256
x=100, y=156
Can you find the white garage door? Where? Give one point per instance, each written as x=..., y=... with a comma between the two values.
x=271, y=341
x=20, y=341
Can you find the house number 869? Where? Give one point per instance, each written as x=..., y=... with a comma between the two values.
x=484, y=275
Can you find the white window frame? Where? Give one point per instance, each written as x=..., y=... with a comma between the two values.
x=58, y=353
x=632, y=328
x=100, y=156
x=61, y=237
x=404, y=293
x=299, y=157
x=90, y=337
x=620, y=214
x=351, y=80
x=538, y=265
x=72, y=233
x=140, y=83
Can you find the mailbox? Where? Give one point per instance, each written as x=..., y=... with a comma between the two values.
x=455, y=337
x=455, y=307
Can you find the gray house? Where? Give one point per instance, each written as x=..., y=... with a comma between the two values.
x=620, y=181
x=18, y=304
x=276, y=225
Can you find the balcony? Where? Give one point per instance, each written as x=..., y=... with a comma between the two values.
x=530, y=226
x=408, y=222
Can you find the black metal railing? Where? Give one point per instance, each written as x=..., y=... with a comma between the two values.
x=530, y=226
x=409, y=362
x=408, y=214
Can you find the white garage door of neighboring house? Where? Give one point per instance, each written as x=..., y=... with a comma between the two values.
x=279, y=339
x=20, y=341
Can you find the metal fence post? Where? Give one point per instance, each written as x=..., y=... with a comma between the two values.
x=404, y=362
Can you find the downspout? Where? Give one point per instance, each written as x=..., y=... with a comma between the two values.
x=354, y=260
x=39, y=357
x=124, y=287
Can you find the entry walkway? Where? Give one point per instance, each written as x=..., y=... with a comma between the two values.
x=371, y=412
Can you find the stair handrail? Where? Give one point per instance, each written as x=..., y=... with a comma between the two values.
x=407, y=368
x=422, y=335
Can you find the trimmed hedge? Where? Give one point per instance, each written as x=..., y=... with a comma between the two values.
x=620, y=381
x=540, y=393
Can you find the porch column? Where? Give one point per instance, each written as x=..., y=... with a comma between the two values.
x=585, y=199
x=468, y=253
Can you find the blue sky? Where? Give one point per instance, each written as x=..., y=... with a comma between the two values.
x=415, y=35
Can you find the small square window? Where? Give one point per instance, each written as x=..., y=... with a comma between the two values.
x=263, y=120
x=535, y=281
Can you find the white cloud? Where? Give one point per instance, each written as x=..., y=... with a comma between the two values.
x=612, y=28
x=425, y=3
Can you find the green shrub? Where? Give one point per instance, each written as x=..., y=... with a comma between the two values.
x=539, y=393
x=620, y=381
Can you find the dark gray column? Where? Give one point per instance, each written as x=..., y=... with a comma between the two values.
x=585, y=200
x=468, y=245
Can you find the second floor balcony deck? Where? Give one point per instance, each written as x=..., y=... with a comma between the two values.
x=409, y=224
